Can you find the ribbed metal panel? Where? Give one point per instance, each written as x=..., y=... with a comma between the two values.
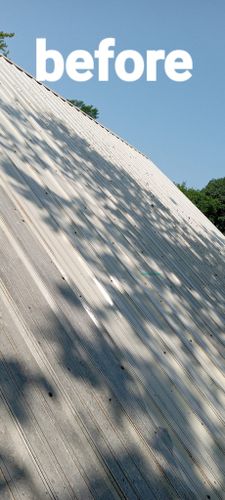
x=112, y=335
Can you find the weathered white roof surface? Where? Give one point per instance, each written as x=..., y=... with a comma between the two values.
x=112, y=339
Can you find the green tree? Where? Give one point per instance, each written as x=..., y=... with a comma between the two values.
x=216, y=190
x=86, y=108
x=210, y=200
x=3, y=44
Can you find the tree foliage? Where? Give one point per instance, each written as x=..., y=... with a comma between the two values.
x=3, y=43
x=86, y=108
x=210, y=200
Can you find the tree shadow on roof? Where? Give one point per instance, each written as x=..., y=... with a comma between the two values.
x=155, y=275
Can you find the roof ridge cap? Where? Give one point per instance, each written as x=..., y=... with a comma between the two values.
x=9, y=61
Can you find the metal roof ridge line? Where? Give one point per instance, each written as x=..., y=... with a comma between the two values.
x=72, y=105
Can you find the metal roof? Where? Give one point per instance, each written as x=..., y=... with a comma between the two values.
x=112, y=335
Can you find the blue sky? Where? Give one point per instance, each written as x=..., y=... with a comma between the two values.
x=180, y=126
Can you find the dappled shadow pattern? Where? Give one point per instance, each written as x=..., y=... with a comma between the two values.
x=162, y=274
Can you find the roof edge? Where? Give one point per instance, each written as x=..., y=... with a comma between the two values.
x=78, y=109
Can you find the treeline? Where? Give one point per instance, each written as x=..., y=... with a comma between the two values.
x=210, y=200
x=86, y=108
x=3, y=44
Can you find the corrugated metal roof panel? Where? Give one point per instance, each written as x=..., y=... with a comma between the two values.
x=112, y=314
